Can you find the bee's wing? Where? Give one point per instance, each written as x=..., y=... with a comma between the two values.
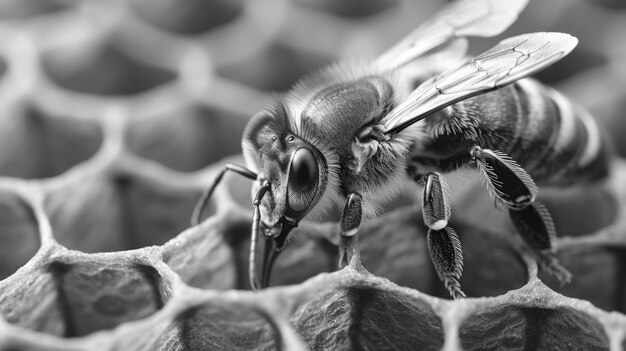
x=463, y=18
x=508, y=61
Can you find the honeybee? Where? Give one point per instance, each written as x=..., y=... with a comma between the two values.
x=350, y=133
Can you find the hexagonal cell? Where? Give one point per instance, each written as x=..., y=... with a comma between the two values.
x=363, y=318
x=188, y=16
x=226, y=326
x=215, y=325
x=73, y=299
x=491, y=265
x=350, y=8
x=395, y=252
x=394, y=247
x=19, y=235
x=228, y=268
x=23, y=9
x=306, y=257
x=189, y=139
x=276, y=67
x=592, y=267
x=391, y=247
x=532, y=328
x=36, y=144
x=204, y=260
x=120, y=212
x=102, y=69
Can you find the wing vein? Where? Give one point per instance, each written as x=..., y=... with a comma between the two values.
x=508, y=61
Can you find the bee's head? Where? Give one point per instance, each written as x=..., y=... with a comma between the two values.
x=296, y=170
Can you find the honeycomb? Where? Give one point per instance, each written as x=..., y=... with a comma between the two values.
x=116, y=115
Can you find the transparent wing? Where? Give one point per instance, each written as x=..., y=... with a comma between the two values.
x=463, y=18
x=508, y=61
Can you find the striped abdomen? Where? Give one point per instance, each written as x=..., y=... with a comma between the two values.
x=552, y=139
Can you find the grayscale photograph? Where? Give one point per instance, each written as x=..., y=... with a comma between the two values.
x=299, y=175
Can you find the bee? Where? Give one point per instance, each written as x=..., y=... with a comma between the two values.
x=349, y=134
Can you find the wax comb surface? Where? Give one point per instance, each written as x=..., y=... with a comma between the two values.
x=115, y=115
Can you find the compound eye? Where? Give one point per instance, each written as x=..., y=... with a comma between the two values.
x=303, y=180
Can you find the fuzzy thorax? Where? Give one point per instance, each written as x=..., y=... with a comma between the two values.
x=377, y=169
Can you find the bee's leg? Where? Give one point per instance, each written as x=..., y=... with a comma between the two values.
x=536, y=227
x=206, y=195
x=350, y=223
x=513, y=187
x=443, y=243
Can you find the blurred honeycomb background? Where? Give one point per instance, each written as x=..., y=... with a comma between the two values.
x=114, y=116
